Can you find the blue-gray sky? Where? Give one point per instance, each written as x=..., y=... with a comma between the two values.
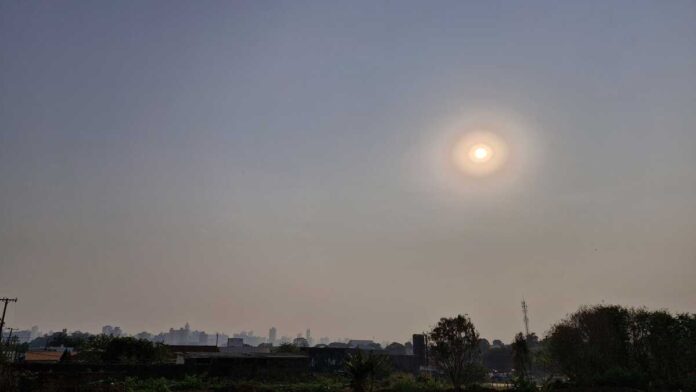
x=239, y=165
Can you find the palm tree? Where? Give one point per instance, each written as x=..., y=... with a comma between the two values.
x=362, y=370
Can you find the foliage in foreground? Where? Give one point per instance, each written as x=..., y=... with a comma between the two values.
x=617, y=346
x=108, y=349
x=363, y=369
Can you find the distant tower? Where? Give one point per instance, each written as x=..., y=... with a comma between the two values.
x=272, y=335
x=308, y=336
x=526, y=318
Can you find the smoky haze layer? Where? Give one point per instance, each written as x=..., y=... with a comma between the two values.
x=241, y=165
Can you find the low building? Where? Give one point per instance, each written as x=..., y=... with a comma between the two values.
x=300, y=342
x=45, y=356
x=364, y=344
x=180, y=351
x=248, y=365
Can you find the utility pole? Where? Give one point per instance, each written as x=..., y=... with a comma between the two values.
x=526, y=319
x=4, y=309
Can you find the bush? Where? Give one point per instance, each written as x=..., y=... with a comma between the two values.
x=364, y=369
x=401, y=382
x=521, y=384
x=147, y=385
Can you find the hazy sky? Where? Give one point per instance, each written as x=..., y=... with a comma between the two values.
x=239, y=165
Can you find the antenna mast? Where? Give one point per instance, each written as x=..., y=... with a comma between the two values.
x=526, y=318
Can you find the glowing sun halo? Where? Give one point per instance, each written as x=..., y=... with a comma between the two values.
x=479, y=153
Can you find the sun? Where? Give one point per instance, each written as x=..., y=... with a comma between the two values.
x=479, y=153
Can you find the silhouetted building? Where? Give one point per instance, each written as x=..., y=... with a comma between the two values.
x=19, y=337
x=419, y=348
x=364, y=344
x=181, y=351
x=300, y=342
x=395, y=349
x=235, y=342
x=249, y=338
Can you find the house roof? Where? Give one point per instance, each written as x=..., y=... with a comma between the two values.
x=42, y=356
x=193, y=349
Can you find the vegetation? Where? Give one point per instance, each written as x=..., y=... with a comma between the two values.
x=363, y=369
x=287, y=348
x=595, y=347
x=108, y=349
x=401, y=382
x=612, y=345
x=454, y=346
x=521, y=357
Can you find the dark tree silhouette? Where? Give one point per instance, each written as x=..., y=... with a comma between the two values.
x=454, y=346
x=612, y=345
x=521, y=357
x=363, y=369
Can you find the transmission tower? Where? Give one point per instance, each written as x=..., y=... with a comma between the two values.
x=526, y=318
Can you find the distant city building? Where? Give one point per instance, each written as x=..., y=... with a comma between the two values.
x=363, y=344
x=187, y=337
x=308, y=336
x=324, y=340
x=249, y=338
x=300, y=342
x=235, y=342
x=272, y=335
x=19, y=337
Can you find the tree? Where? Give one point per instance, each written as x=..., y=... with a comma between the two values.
x=591, y=342
x=109, y=349
x=364, y=369
x=395, y=349
x=286, y=348
x=484, y=345
x=454, y=346
x=613, y=345
x=521, y=357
